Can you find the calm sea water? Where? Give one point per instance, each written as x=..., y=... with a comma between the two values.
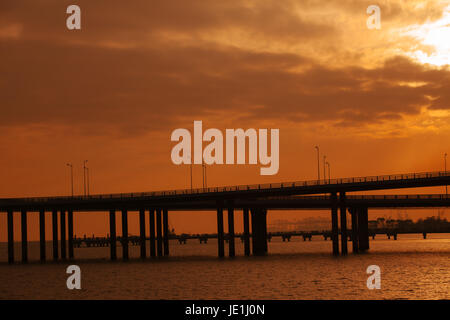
x=411, y=268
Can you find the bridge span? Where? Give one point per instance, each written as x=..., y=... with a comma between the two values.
x=253, y=200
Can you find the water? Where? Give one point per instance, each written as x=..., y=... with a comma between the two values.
x=411, y=268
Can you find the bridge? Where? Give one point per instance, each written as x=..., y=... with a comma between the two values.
x=253, y=200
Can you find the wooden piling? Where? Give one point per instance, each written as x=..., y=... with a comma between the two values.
x=363, y=228
x=343, y=211
x=220, y=236
x=334, y=224
x=142, y=232
x=355, y=245
x=152, y=233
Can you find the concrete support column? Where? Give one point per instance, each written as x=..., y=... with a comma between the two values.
x=24, y=236
x=42, y=235
x=246, y=232
x=70, y=232
x=344, y=236
x=166, y=232
x=220, y=237
x=363, y=228
x=259, y=232
x=334, y=224
x=142, y=232
x=231, y=245
x=62, y=222
x=112, y=235
x=55, y=234
x=152, y=233
x=10, y=222
x=125, y=235
x=159, y=233
x=355, y=232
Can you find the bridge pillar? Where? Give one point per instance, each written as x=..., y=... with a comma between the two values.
x=334, y=224
x=63, y=233
x=246, y=232
x=231, y=245
x=166, y=231
x=152, y=233
x=42, y=235
x=10, y=217
x=24, y=236
x=142, y=232
x=70, y=232
x=159, y=243
x=363, y=228
x=125, y=235
x=55, y=234
x=220, y=237
x=343, y=209
x=354, y=214
x=259, y=231
x=112, y=234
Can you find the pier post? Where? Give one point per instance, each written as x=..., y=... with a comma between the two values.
x=334, y=224
x=264, y=229
x=55, y=234
x=343, y=209
x=246, y=232
x=363, y=228
x=124, y=235
x=142, y=232
x=63, y=233
x=42, y=234
x=220, y=237
x=24, y=236
x=112, y=234
x=70, y=232
x=354, y=214
x=231, y=245
x=259, y=237
x=10, y=236
x=159, y=243
x=152, y=233
x=166, y=232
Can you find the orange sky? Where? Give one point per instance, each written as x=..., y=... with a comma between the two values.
x=375, y=101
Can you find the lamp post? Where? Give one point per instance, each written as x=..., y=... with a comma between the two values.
x=445, y=170
x=71, y=175
x=329, y=175
x=204, y=175
x=324, y=167
x=318, y=163
x=84, y=176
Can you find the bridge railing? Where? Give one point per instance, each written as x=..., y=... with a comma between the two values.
x=266, y=186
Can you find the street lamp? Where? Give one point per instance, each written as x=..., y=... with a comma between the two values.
x=71, y=175
x=445, y=169
x=329, y=175
x=318, y=163
x=84, y=176
x=324, y=167
x=204, y=175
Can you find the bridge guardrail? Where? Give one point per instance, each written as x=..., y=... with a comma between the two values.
x=282, y=185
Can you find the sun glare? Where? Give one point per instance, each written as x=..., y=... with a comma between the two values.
x=436, y=36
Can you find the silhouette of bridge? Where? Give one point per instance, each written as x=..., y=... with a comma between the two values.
x=254, y=200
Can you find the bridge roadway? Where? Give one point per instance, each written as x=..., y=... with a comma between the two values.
x=254, y=200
